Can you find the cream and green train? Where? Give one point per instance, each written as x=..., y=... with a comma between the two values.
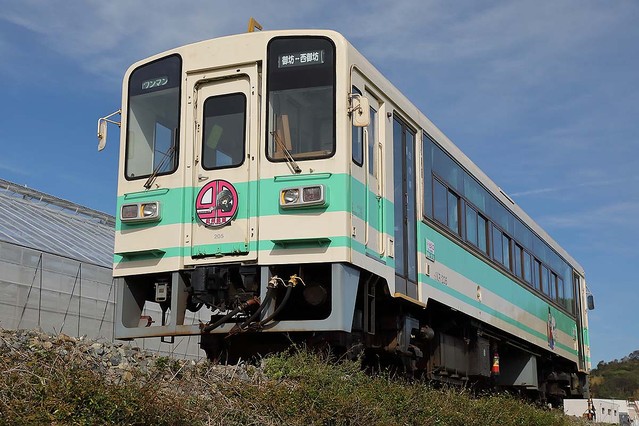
x=275, y=187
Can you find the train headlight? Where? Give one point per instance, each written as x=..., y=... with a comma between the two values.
x=290, y=196
x=140, y=212
x=303, y=196
x=149, y=210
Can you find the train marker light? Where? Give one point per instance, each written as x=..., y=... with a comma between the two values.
x=312, y=194
x=129, y=211
x=140, y=212
x=304, y=196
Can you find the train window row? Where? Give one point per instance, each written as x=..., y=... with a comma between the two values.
x=459, y=202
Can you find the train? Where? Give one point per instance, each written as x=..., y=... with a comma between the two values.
x=275, y=187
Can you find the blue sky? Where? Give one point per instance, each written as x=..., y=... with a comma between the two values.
x=543, y=96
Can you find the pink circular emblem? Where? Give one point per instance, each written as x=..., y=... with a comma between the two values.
x=216, y=203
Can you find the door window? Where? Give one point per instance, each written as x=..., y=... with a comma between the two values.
x=224, y=131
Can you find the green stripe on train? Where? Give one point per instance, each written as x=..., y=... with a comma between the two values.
x=337, y=185
x=341, y=241
x=495, y=313
x=471, y=267
x=268, y=189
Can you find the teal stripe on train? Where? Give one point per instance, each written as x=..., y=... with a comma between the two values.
x=465, y=263
x=495, y=313
x=269, y=191
x=335, y=241
x=337, y=185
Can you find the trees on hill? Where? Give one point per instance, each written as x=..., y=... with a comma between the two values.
x=617, y=379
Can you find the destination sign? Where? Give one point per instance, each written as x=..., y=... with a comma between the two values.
x=155, y=82
x=312, y=57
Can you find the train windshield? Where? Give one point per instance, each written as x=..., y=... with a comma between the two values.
x=301, y=98
x=153, y=118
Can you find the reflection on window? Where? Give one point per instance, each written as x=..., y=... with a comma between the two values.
x=440, y=202
x=357, y=139
x=153, y=118
x=453, y=212
x=301, y=99
x=498, y=253
x=527, y=267
x=224, y=131
x=506, y=248
x=372, y=144
x=537, y=274
x=482, y=233
x=553, y=286
x=471, y=225
x=517, y=261
x=545, y=280
x=302, y=120
x=162, y=149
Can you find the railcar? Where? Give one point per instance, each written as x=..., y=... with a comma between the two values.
x=275, y=187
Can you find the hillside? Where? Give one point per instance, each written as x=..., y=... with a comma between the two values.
x=617, y=379
x=61, y=380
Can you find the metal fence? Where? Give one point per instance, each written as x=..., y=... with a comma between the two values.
x=57, y=294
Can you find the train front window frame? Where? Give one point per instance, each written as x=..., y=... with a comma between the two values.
x=153, y=119
x=300, y=99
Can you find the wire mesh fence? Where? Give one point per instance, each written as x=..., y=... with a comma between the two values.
x=57, y=294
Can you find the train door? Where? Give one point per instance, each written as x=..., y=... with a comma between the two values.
x=578, y=291
x=405, y=208
x=225, y=109
x=367, y=199
x=374, y=196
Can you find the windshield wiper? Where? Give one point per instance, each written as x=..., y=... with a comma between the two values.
x=167, y=156
x=287, y=153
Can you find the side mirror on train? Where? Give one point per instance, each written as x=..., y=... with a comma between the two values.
x=590, y=301
x=102, y=128
x=102, y=134
x=360, y=110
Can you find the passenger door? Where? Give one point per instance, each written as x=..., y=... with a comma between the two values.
x=225, y=108
x=367, y=198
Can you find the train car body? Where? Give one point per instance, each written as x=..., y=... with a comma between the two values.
x=274, y=185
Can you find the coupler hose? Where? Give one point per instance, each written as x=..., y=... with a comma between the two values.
x=225, y=318
x=287, y=295
x=267, y=300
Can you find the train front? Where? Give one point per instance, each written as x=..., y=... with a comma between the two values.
x=233, y=220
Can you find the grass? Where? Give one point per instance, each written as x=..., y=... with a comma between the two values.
x=68, y=387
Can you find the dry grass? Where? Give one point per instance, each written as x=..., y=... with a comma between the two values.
x=63, y=385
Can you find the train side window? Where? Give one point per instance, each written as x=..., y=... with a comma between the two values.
x=482, y=233
x=498, y=250
x=553, y=286
x=453, y=212
x=527, y=267
x=545, y=280
x=471, y=225
x=506, y=247
x=439, y=201
x=561, y=292
x=358, y=139
x=517, y=261
x=537, y=274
